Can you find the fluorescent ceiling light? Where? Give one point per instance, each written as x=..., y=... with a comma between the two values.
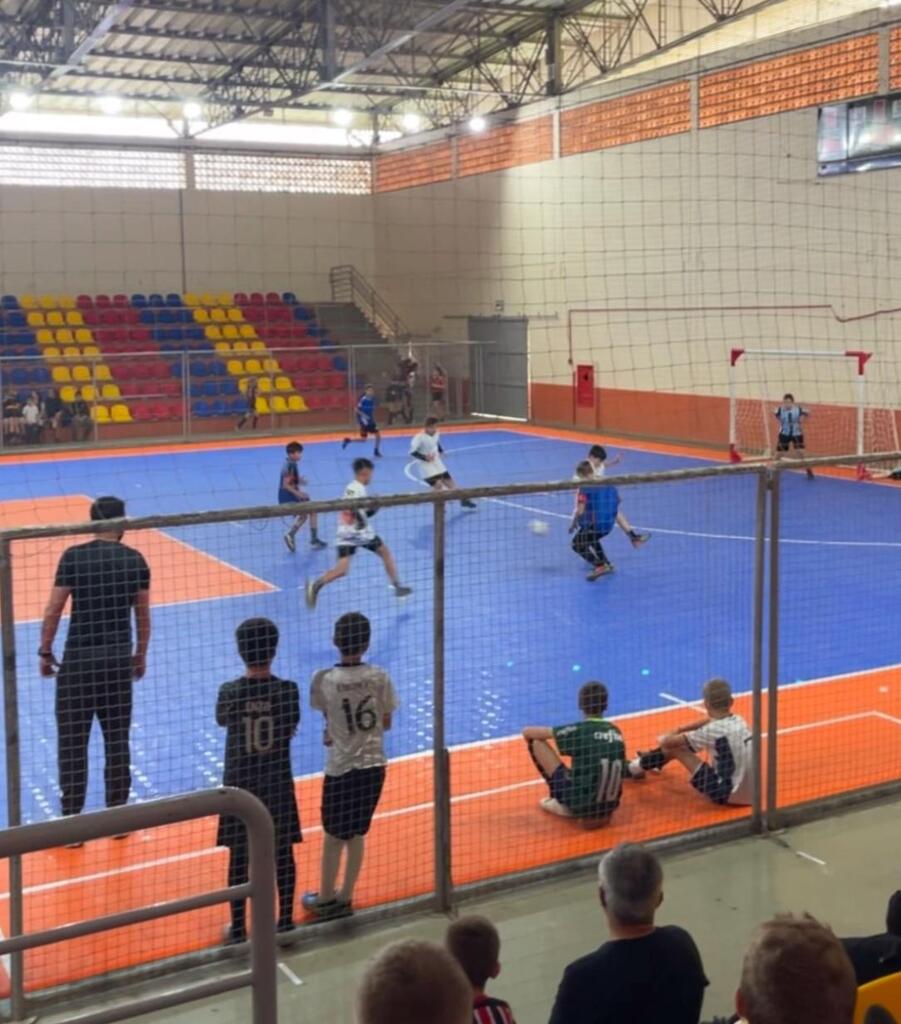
x=110, y=104
x=411, y=121
x=20, y=100
x=342, y=117
x=477, y=124
x=192, y=110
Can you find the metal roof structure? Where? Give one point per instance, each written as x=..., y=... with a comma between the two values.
x=298, y=60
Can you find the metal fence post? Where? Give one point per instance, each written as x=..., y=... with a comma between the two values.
x=757, y=650
x=441, y=757
x=185, y=394
x=772, y=797
x=13, y=772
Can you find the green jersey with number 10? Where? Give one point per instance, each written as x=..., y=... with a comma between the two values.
x=354, y=700
x=598, y=754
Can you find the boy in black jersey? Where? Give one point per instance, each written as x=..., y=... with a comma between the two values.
x=261, y=714
x=290, y=492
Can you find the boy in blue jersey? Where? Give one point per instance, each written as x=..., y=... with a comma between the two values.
x=366, y=419
x=290, y=493
x=791, y=427
x=593, y=518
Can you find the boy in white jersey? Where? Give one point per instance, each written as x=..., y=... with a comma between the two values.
x=597, y=458
x=791, y=418
x=355, y=531
x=426, y=447
x=728, y=776
x=358, y=702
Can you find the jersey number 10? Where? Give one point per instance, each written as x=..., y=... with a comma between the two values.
x=259, y=734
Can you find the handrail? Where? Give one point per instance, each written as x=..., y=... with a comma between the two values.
x=260, y=976
x=349, y=285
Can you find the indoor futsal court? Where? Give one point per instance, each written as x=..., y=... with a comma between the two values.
x=675, y=612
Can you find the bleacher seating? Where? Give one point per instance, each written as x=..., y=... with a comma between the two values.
x=79, y=344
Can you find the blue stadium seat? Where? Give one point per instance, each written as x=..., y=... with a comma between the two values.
x=21, y=397
x=196, y=391
x=217, y=368
x=315, y=331
x=158, y=334
x=147, y=318
x=185, y=316
x=18, y=375
x=139, y=301
x=173, y=299
x=210, y=388
x=238, y=406
x=9, y=302
x=201, y=410
x=340, y=363
x=219, y=408
x=16, y=319
x=156, y=300
x=165, y=316
x=194, y=333
x=41, y=375
x=230, y=387
x=198, y=368
x=302, y=313
x=175, y=369
x=289, y=298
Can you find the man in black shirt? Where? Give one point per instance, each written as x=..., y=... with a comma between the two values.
x=644, y=974
x=876, y=956
x=261, y=714
x=106, y=581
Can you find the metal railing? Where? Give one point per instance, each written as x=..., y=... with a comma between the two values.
x=46, y=835
x=349, y=285
x=451, y=845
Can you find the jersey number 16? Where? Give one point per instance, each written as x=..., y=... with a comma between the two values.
x=361, y=718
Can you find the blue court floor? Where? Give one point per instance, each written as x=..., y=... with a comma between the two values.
x=524, y=629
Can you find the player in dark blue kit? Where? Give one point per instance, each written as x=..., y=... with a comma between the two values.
x=366, y=419
x=593, y=518
x=290, y=493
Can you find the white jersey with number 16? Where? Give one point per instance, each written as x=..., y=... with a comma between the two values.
x=354, y=699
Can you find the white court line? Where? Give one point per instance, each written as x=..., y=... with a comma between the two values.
x=810, y=857
x=678, y=700
x=289, y=974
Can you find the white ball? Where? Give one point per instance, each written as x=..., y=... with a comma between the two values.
x=539, y=526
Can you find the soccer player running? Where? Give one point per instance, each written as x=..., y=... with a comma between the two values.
x=597, y=456
x=791, y=428
x=358, y=702
x=354, y=532
x=591, y=787
x=366, y=420
x=593, y=518
x=261, y=714
x=426, y=447
x=728, y=777
x=290, y=493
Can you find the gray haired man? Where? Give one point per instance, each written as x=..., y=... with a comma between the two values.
x=644, y=972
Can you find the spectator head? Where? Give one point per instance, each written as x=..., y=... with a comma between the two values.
x=585, y=470
x=593, y=700
x=257, y=642
x=352, y=635
x=476, y=946
x=363, y=470
x=598, y=452
x=796, y=972
x=893, y=915
x=293, y=450
x=631, y=884
x=717, y=697
x=414, y=981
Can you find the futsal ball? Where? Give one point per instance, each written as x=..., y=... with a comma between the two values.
x=539, y=526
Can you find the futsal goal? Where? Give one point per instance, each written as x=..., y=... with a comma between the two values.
x=847, y=404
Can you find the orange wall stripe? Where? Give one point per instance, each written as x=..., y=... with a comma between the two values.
x=895, y=59
x=411, y=167
x=510, y=145
x=651, y=114
x=806, y=78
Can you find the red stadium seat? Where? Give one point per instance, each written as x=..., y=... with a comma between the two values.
x=323, y=363
x=91, y=317
x=170, y=386
x=84, y=302
x=102, y=302
x=298, y=331
x=273, y=299
x=241, y=299
x=256, y=299
x=121, y=301
x=143, y=412
x=139, y=334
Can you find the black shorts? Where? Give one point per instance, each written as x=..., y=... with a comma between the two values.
x=287, y=498
x=437, y=479
x=349, y=801
x=368, y=428
x=349, y=550
x=280, y=800
x=706, y=781
x=560, y=784
x=787, y=441
x=437, y=396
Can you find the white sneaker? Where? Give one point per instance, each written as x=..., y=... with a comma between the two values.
x=635, y=770
x=552, y=806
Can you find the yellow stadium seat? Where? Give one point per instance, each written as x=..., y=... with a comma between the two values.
x=225, y=299
x=55, y=318
x=223, y=347
x=242, y=384
x=264, y=385
x=235, y=367
x=83, y=336
x=66, y=302
x=283, y=384
x=258, y=346
x=89, y=392
x=253, y=366
x=191, y=299
x=121, y=413
x=100, y=414
x=51, y=352
x=44, y=337
x=241, y=346
x=35, y=319
x=67, y=393
x=61, y=374
x=231, y=332
x=81, y=373
x=884, y=992
x=213, y=332
x=49, y=302
x=218, y=314
x=279, y=404
x=262, y=406
x=72, y=352
x=235, y=315
x=201, y=316
x=102, y=372
x=64, y=336
x=90, y=350
x=297, y=404
x=110, y=391
x=271, y=366
x=28, y=302
x=248, y=331
x=74, y=318
x=208, y=299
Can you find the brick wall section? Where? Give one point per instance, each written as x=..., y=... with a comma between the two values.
x=510, y=145
x=643, y=115
x=895, y=59
x=825, y=74
x=411, y=167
